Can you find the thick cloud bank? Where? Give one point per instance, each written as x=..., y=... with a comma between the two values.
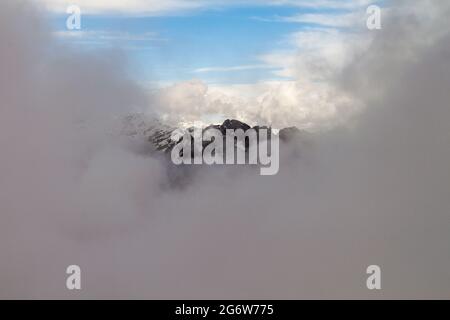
x=73, y=192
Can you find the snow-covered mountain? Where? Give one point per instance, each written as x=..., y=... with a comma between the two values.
x=138, y=125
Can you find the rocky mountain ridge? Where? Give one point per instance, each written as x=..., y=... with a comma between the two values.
x=159, y=134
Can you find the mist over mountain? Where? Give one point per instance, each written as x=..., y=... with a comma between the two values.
x=80, y=186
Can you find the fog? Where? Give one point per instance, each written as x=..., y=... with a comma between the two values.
x=72, y=191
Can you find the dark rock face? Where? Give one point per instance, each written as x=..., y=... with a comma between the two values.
x=161, y=139
x=233, y=124
x=227, y=124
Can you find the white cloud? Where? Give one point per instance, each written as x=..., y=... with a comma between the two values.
x=328, y=20
x=307, y=105
x=317, y=54
x=330, y=4
x=232, y=68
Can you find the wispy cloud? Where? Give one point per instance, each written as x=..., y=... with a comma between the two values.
x=232, y=68
x=328, y=4
x=335, y=14
x=334, y=20
x=327, y=20
x=101, y=35
x=101, y=38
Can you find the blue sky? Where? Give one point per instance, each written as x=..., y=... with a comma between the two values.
x=223, y=44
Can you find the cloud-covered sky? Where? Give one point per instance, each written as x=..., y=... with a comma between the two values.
x=270, y=62
x=155, y=7
x=72, y=191
x=227, y=40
